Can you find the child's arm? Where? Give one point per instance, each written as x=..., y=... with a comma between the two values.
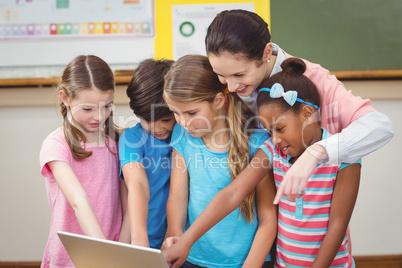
x=177, y=203
x=227, y=200
x=138, y=199
x=77, y=198
x=343, y=202
x=124, y=235
x=267, y=223
x=295, y=180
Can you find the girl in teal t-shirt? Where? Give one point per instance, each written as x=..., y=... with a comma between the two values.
x=213, y=142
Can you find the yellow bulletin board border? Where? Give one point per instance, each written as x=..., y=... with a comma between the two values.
x=163, y=42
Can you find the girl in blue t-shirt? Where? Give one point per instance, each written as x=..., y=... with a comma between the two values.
x=145, y=154
x=213, y=142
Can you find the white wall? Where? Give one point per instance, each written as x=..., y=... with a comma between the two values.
x=25, y=214
x=376, y=225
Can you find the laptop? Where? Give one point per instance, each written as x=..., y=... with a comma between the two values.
x=90, y=252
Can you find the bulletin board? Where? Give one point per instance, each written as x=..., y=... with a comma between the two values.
x=53, y=32
x=181, y=25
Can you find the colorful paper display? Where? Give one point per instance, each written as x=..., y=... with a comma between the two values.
x=34, y=19
x=79, y=29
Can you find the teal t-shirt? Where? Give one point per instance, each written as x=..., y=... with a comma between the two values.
x=138, y=145
x=228, y=243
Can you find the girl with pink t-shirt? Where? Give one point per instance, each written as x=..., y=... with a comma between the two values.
x=80, y=161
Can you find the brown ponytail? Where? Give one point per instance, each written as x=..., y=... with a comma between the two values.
x=85, y=72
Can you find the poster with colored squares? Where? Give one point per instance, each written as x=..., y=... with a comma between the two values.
x=65, y=19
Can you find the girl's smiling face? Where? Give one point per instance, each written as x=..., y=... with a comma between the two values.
x=240, y=74
x=288, y=129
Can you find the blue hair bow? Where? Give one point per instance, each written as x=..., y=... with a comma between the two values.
x=289, y=96
x=277, y=91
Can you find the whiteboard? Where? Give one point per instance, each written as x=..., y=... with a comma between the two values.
x=53, y=32
x=39, y=53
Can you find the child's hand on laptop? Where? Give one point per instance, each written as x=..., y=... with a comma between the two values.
x=169, y=242
x=175, y=253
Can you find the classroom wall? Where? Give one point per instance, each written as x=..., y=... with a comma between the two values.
x=24, y=209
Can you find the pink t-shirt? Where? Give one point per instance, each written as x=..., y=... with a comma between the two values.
x=98, y=175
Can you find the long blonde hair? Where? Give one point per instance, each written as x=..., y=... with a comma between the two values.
x=82, y=73
x=192, y=79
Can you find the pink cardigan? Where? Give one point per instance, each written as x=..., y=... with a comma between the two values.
x=339, y=107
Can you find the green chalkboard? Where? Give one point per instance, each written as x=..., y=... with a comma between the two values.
x=341, y=35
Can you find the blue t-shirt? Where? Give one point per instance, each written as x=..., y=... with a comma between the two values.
x=228, y=243
x=138, y=145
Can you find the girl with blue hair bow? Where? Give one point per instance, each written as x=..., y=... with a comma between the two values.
x=312, y=230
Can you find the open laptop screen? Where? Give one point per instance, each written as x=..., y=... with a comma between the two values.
x=88, y=252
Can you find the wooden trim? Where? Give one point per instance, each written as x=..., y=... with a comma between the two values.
x=18, y=82
x=20, y=264
x=368, y=74
x=122, y=79
x=381, y=261
x=15, y=82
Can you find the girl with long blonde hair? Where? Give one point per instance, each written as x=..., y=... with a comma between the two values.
x=213, y=142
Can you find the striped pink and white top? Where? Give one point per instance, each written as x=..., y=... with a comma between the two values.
x=302, y=225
